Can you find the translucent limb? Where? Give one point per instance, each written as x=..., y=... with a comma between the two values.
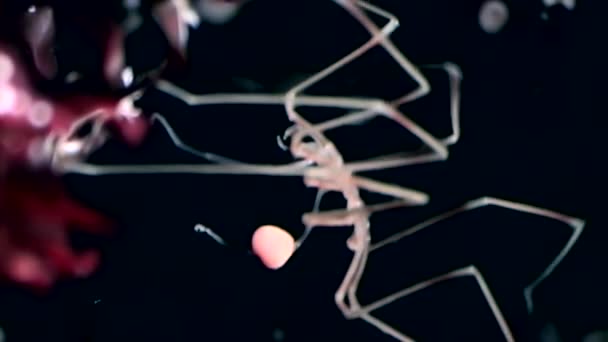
x=295, y=169
x=318, y=175
x=176, y=140
x=575, y=224
x=470, y=271
x=367, y=109
x=379, y=37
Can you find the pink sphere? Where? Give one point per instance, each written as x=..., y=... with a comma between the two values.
x=273, y=245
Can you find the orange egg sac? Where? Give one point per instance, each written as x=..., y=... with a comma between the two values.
x=273, y=245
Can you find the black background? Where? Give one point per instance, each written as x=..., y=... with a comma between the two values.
x=532, y=131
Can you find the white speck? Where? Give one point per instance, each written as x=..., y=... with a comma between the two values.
x=282, y=144
x=70, y=148
x=199, y=228
x=97, y=301
x=32, y=9
x=127, y=76
x=493, y=16
x=126, y=108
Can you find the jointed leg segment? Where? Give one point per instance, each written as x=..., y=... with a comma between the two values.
x=576, y=225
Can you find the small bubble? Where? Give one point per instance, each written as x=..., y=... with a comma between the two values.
x=40, y=114
x=544, y=16
x=72, y=77
x=493, y=16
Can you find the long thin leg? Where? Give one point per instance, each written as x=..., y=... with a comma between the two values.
x=577, y=226
x=377, y=163
x=470, y=271
x=179, y=144
x=226, y=165
x=395, y=160
x=455, y=77
x=369, y=109
x=379, y=37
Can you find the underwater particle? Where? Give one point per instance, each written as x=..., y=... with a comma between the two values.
x=278, y=335
x=199, y=228
x=40, y=114
x=218, y=12
x=493, y=16
x=568, y=4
